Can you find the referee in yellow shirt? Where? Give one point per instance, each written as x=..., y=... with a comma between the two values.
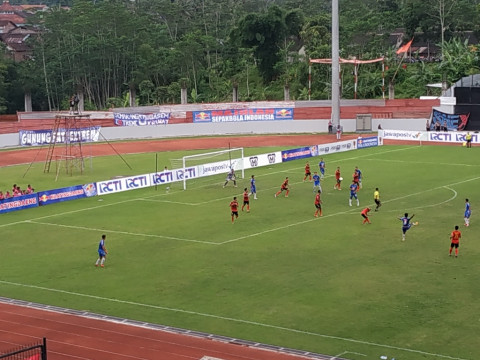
x=376, y=198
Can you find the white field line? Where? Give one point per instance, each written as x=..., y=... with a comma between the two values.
x=229, y=319
x=229, y=197
x=349, y=211
x=355, y=209
x=287, y=171
x=425, y=162
x=122, y=232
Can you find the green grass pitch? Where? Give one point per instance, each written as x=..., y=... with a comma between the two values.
x=277, y=275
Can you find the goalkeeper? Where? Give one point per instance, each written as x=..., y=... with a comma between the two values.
x=231, y=177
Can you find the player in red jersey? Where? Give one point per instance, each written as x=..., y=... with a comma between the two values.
x=308, y=173
x=318, y=204
x=283, y=187
x=338, y=179
x=234, y=209
x=356, y=178
x=455, y=241
x=246, y=200
x=364, y=214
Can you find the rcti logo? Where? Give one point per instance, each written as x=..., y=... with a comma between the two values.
x=253, y=161
x=271, y=158
x=110, y=186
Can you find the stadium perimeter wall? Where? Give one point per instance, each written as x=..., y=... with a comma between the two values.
x=233, y=128
x=308, y=117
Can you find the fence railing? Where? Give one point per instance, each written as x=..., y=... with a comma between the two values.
x=33, y=352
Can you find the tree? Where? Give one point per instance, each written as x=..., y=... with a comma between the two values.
x=265, y=33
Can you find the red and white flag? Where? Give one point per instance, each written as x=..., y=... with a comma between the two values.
x=404, y=48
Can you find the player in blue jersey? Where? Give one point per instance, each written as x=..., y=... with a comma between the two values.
x=359, y=174
x=316, y=182
x=102, y=252
x=321, y=165
x=353, y=193
x=468, y=212
x=253, y=187
x=406, y=224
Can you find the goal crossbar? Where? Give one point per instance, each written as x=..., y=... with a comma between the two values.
x=214, y=154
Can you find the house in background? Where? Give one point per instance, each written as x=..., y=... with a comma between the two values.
x=14, y=31
x=12, y=13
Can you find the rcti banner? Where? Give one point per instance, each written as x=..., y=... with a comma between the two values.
x=45, y=137
x=299, y=153
x=65, y=194
x=363, y=143
x=453, y=122
x=233, y=115
x=169, y=176
x=160, y=118
x=123, y=184
x=451, y=137
x=18, y=203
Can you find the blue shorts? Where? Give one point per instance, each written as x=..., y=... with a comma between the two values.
x=322, y=170
x=405, y=228
x=253, y=189
x=353, y=196
x=467, y=214
x=101, y=253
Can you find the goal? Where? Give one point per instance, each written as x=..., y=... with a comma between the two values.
x=212, y=163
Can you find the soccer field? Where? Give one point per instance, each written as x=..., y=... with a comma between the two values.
x=278, y=275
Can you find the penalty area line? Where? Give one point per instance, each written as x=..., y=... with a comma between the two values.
x=229, y=319
x=122, y=232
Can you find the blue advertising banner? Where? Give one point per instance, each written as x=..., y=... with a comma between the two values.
x=363, y=143
x=65, y=194
x=45, y=137
x=453, y=122
x=160, y=118
x=232, y=115
x=299, y=153
x=19, y=203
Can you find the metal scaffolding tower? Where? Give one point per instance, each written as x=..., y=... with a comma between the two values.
x=66, y=132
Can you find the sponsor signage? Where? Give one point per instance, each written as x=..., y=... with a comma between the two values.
x=122, y=119
x=340, y=146
x=45, y=137
x=66, y=194
x=19, y=203
x=449, y=137
x=123, y=184
x=295, y=154
x=233, y=115
x=403, y=135
x=367, y=142
x=446, y=137
x=220, y=167
x=169, y=176
x=262, y=160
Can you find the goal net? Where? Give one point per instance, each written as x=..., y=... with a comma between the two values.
x=212, y=163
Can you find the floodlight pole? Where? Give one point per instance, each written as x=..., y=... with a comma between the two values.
x=335, y=65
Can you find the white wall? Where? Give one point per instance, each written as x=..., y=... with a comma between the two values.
x=232, y=128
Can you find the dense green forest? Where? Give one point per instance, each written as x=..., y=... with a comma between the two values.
x=208, y=47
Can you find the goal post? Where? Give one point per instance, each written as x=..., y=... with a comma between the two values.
x=212, y=163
